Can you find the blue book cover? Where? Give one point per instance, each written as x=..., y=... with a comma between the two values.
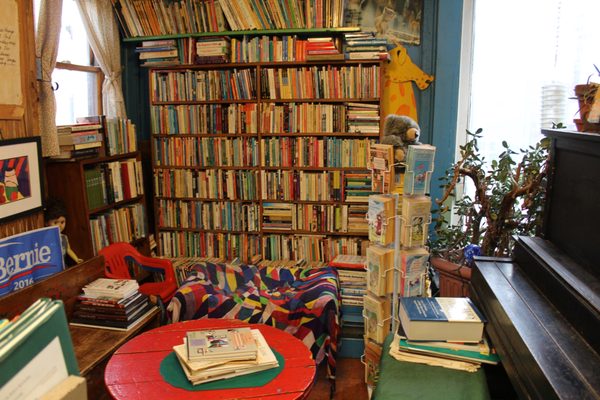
x=453, y=319
x=419, y=166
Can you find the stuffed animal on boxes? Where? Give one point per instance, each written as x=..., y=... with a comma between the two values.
x=400, y=131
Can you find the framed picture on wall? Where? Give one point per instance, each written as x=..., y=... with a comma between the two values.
x=20, y=177
x=398, y=21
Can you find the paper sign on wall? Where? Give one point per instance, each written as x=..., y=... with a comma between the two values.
x=10, y=61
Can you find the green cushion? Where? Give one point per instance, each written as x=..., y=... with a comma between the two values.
x=401, y=380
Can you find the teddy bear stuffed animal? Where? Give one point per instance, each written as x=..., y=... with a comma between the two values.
x=400, y=131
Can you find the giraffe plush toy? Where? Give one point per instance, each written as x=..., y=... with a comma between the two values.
x=398, y=94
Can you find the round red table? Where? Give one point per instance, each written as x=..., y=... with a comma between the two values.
x=133, y=372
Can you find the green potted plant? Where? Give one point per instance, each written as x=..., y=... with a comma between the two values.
x=587, y=95
x=507, y=199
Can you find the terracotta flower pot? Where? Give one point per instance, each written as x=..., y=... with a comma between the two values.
x=585, y=96
x=454, y=278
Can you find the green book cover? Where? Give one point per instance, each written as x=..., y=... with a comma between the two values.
x=458, y=354
x=29, y=349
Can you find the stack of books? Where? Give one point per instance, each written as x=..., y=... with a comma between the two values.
x=363, y=118
x=353, y=286
x=364, y=46
x=154, y=53
x=323, y=48
x=79, y=140
x=357, y=187
x=442, y=331
x=210, y=355
x=111, y=304
x=213, y=50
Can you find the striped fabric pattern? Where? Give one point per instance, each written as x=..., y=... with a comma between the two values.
x=302, y=301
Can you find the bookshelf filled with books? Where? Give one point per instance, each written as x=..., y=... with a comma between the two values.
x=263, y=158
x=103, y=194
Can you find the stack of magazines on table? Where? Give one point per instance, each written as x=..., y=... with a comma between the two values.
x=442, y=331
x=210, y=355
x=111, y=304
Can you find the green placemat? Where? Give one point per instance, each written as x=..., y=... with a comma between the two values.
x=171, y=371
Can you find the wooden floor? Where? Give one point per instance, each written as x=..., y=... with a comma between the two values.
x=350, y=381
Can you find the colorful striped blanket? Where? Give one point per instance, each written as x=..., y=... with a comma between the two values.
x=302, y=301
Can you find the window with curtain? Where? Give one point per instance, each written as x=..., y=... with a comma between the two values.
x=527, y=57
x=77, y=79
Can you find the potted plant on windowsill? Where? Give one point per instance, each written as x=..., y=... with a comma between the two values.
x=507, y=199
x=588, y=97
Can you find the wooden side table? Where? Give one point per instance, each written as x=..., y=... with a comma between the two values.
x=133, y=372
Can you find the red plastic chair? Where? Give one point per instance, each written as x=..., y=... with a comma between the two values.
x=119, y=256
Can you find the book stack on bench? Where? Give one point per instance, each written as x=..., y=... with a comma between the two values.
x=111, y=304
x=213, y=354
x=442, y=331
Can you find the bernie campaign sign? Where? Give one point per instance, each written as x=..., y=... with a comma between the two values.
x=29, y=257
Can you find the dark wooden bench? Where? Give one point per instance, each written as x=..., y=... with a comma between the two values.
x=93, y=347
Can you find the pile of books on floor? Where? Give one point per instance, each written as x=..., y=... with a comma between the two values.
x=111, y=304
x=210, y=355
x=79, y=140
x=442, y=331
x=154, y=53
x=364, y=46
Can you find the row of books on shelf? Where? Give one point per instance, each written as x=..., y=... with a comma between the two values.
x=204, y=119
x=112, y=182
x=314, y=186
x=313, y=152
x=227, y=246
x=276, y=83
x=206, y=184
x=203, y=85
x=314, y=218
x=213, y=184
x=214, y=354
x=245, y=246
x=115, y=304
x=223, y=49
x=150, y=18
x=123, y=224
x=235, y=216
x=224, y=215
x=266, y=118
x=95, y=136
x=239, y=151
x=317, y=152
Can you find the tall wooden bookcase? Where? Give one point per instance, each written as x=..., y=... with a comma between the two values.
x=69, y=181
x=254, y=158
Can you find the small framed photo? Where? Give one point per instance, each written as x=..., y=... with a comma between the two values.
x=20, y=177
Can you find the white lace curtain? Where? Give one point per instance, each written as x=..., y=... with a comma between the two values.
x=46, y=49
x=103, y=35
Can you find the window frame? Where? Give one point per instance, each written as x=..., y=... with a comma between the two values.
x=89, y=69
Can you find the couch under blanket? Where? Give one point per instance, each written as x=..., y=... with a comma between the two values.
x=302, y=301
